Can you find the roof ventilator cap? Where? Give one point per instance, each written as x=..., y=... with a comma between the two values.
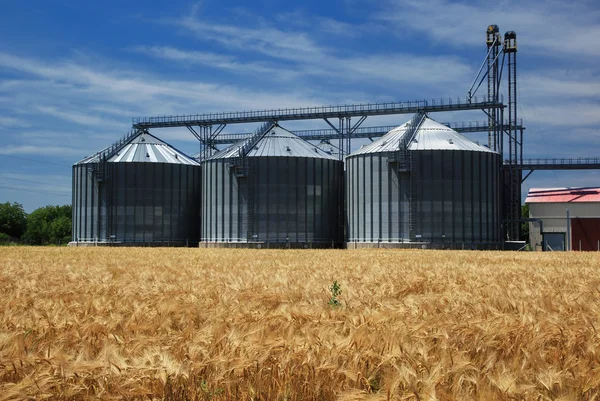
x=450, y=141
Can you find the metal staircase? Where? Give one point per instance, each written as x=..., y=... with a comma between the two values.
x=412, y=129
x=403, y=161
x=239, y=164
x=401, y=157
x=242, y=170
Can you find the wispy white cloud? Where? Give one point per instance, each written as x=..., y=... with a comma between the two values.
x=39, y=150
x=78, y=117
x=572, y=114
x=217, y=61
x=550, y=27
x=139, y=91
x=269, y=41
x=416, y=70
x=333, y=26
x=321, y=25
x=12, y=122
x=566, y=84
x=54, y=182
x=558, y=97
x=113, y=111
x=310, y=59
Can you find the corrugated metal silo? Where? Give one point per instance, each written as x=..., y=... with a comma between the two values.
x=272, y=190
x=423, y=184
x=140, y=191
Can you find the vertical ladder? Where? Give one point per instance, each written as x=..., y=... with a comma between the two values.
x=412, y=200
x=100, y=171
x=109, y=202
x=250, y=201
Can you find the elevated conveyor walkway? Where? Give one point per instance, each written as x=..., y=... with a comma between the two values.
x=320, y=112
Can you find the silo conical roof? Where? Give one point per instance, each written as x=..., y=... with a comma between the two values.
x=145, y=148
x=431, y=135
x=277, y=141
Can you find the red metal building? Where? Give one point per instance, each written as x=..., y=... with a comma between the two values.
x=579, y=232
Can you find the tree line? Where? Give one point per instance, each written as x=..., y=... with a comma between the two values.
x=45, y=225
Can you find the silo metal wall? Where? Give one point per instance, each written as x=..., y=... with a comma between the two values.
x=377, y=195
x=279, y=201
x=137, y=203
x=456, y=197
x=450, y=198
x=85, y=203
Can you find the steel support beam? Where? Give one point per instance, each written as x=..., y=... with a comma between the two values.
x=527, y=176
x=193, y=131
x=340, y=135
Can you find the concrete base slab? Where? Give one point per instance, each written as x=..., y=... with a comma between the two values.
x=422, y=245
x=272, y=245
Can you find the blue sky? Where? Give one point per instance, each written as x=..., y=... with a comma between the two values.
x=73, y=73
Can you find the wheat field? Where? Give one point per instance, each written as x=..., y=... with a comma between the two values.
x=192, y=324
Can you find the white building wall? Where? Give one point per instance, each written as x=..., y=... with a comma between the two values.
x=554, y=217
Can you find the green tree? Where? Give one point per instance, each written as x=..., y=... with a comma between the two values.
x=13, y=220
x=49, y=225
x=60, y=229
x=525, y=226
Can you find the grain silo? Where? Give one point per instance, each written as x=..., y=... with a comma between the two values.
x=272, y=190
x=423, y=185
x=140, y=191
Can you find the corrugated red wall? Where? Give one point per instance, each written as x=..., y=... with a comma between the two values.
x=585, y=231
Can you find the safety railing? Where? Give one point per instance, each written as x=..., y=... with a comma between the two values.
x=109, y=151
x=561, y=161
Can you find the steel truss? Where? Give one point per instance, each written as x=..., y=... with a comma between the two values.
x=357, y=133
